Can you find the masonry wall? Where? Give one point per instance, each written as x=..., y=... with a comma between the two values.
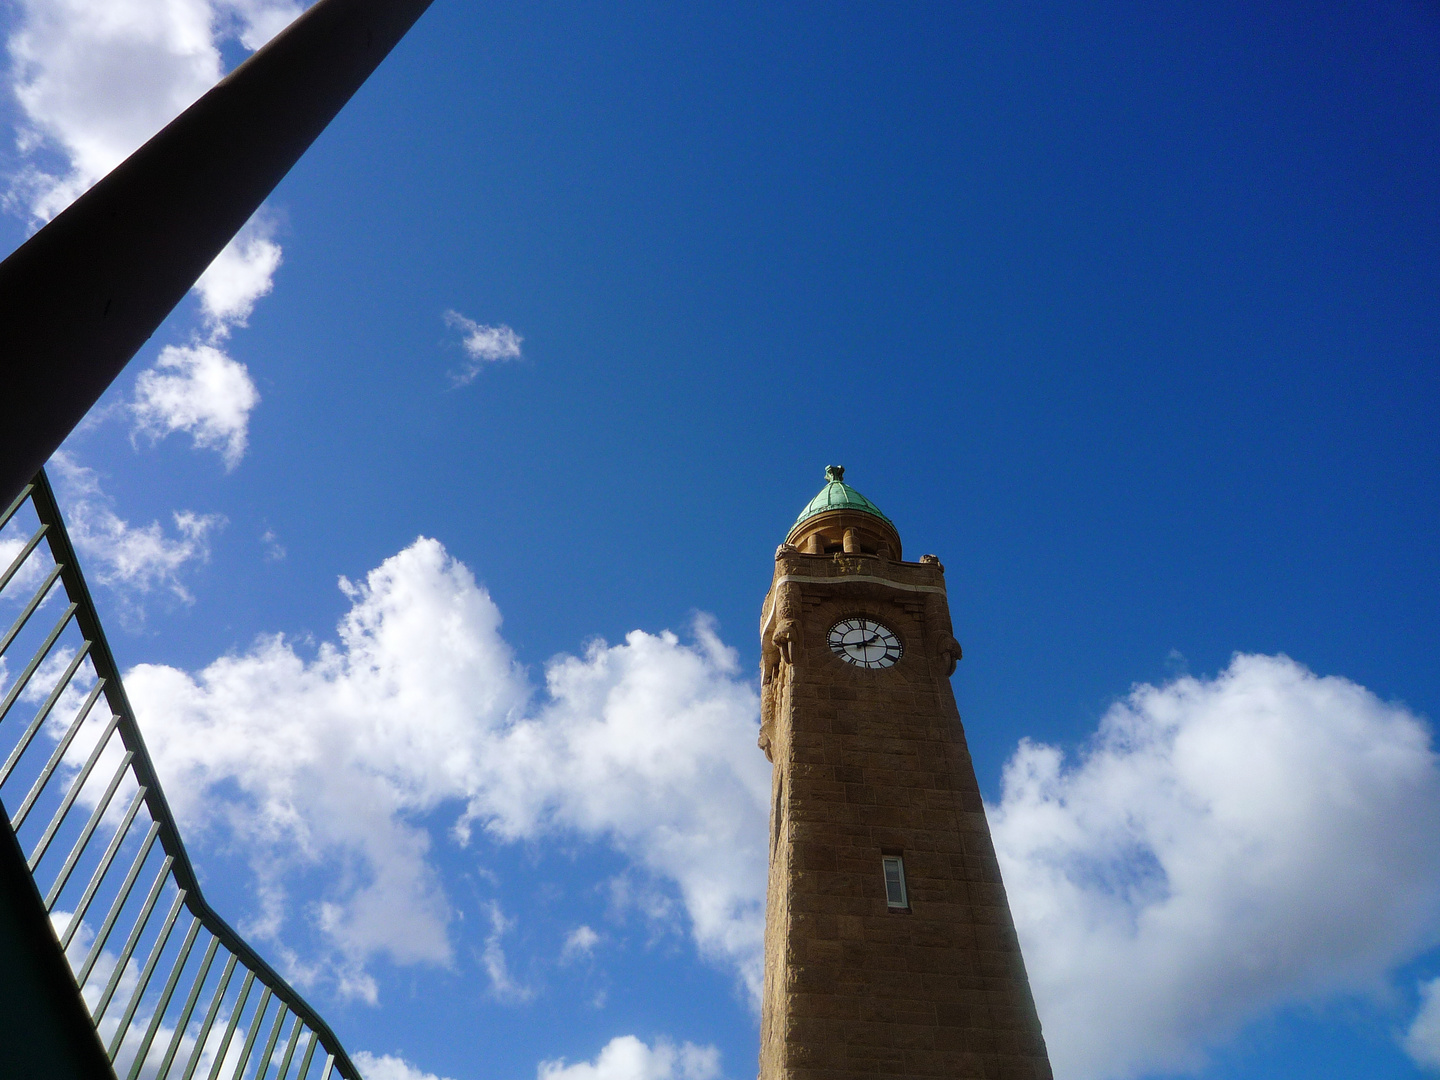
x=870, y=763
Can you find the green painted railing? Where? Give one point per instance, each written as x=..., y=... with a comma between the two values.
x=171, y=989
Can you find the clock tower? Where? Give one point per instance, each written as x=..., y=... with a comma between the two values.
x=889, y=946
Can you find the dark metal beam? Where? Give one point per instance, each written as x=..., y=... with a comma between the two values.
x=82, y=295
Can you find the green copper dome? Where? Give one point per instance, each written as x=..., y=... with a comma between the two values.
x=838, y=495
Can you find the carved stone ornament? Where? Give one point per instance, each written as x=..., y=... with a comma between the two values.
x=940, y=631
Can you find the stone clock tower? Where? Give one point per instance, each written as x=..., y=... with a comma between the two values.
x=889, y=947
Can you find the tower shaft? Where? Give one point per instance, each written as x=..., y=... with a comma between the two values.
x=873, y=781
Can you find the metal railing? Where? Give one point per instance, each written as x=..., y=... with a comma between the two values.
x=172, y=990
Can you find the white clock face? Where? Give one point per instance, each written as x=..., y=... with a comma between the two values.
x=864, y=643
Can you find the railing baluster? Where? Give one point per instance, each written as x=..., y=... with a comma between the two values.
x=252, y=1033
x=119, y=902
x=100, y=871
x=230, y=1027
x=157, y=1015
x=329, y=1065
x=290, y=1045
x=130, y=942
x=35, y=601
x=14, y=506
x=35, y=661
x=184, y=1019
x=75, y=787
x=19, y=560
x=264, y=1064
x=43, y=844
x=18, y=818
x=309, y=1053
x=210, y=1015
x=146, y=972
x=43, y=712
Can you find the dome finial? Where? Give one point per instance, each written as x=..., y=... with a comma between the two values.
x=839, y=510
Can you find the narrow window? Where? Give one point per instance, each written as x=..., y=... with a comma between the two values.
x=779, y=808
x=895, y=882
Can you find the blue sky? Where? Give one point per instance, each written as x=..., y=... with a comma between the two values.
x=1126, y=311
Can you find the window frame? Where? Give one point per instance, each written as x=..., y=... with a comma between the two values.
x=886, y=861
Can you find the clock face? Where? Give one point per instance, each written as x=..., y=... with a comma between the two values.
x=864, y=643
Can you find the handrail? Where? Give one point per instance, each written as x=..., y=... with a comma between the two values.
x=50, y=774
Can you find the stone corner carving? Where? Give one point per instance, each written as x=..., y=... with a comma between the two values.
x=787, y=639
x=781, y=647
x=764, y=742
x=941, y=632
x=950, y=653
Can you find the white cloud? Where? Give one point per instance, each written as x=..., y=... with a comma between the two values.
x=627, y=1058
x=334, y=753
x=1223, y=847
x=386, y=1067
x=1422, y=1040
x=200, y=390
x=483, y=345
x=648, y=744
x=131, y=559
x=503, y=986
x=96, y=78
x=241, y=274
x=579, y=943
